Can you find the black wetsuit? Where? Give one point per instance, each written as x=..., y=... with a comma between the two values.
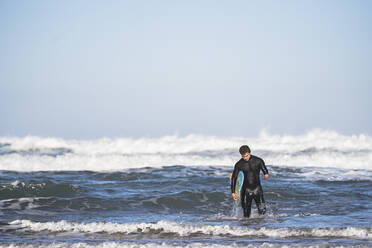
x=251, y=188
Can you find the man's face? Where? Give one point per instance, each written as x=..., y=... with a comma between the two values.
x=246, y=156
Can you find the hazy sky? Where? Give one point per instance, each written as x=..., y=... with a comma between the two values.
x=91, y=69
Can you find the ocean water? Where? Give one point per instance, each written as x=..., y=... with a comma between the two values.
x=173, y=192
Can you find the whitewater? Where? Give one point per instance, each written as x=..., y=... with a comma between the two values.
x=316, y=148
x=173, y=191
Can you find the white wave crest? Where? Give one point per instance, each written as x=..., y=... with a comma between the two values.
x=158, y=245
x=317, y=148
x=187, y=229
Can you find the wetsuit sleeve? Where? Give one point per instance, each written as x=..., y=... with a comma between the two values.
x=233, y=178
x=263, y=167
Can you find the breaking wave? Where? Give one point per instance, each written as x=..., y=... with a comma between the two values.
x=181, y=230
x=317, y=148
x=161, y=245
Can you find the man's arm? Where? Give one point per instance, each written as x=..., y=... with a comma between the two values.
x=264, y=169
x=233, y=178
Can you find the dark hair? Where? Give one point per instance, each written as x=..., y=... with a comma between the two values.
x=244, y=149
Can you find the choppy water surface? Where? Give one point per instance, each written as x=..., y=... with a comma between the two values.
x=178, y=205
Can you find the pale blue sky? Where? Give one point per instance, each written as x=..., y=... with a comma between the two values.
x=91, y=69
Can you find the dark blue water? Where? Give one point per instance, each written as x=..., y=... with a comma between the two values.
x=183, y=206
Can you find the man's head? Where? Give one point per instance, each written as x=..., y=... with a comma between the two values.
x=245, y=152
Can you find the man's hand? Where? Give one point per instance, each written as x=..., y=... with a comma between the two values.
x=235, y=196
x=266, y=176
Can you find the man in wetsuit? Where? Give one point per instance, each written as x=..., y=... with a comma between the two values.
x=251, y=189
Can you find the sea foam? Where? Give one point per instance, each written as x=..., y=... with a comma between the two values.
x=182, y=230
x=163, y=245
x=317, y=148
